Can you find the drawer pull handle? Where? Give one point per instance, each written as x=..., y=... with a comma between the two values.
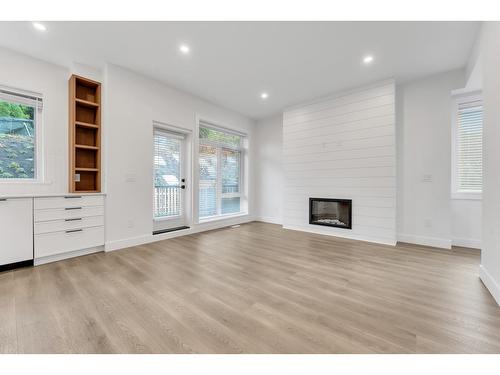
x=3, y=199
x=74, y=230
x=72, y=197
x=75, y=219
x=72, y=208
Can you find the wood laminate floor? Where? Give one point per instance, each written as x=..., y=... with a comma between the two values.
x=253, y=289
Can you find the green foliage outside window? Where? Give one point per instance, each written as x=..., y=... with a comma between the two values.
x=17, y=141
x=18, y=111
x=220, y=137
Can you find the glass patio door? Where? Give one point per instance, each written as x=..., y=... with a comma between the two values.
x=169, y=185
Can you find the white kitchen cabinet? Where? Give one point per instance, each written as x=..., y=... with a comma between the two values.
x=54, y=243
x=16, y=230
x=67, y=226
x=42, y=229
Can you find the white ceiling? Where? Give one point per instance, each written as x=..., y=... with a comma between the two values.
x=231, y=63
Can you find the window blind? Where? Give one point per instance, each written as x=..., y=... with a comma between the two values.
x=25, y=98
x=208, y=181
x=167, y=174
x=230, y=171
x=469, y=163
x=231, y=161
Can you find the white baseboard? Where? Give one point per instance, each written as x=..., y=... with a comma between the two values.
x=490, y=283
x=349, y=236
x=196, y=228
x=127, y=242
x=442, y=243
x=268, y=219
x=72, y=254
x=466, y=242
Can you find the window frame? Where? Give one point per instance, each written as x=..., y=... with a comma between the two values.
x=220, y=146
x=456, y=193
x=19, y=96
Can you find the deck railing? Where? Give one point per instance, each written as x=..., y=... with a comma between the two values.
x=167, y=201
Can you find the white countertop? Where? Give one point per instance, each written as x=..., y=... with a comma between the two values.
x=12, y=196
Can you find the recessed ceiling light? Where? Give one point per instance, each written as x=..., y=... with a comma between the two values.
x=264, y=95
x=39, y=26
x=184, y=49
x=368, y=59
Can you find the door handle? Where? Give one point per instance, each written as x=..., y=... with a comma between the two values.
x=183, y=186
x=72, y=208
x=75, y=219
x=74, y=230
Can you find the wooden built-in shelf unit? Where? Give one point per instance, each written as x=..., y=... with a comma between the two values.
x=84, y=135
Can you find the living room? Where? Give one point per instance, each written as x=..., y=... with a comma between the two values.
x=251, y=187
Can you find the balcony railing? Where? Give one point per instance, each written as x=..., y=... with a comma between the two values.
x=167, y=201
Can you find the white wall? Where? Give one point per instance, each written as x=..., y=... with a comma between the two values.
x=30, y=74
x=132, y=103
x=425, y=209
x=466, y=222
x=269, y=179
x=490, y=255
x=343, y=147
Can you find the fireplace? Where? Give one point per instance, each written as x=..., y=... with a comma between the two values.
x=330, y=212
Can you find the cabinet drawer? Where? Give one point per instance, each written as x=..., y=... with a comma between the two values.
x=71, y=212
x=69, y=201
x=62, y=242
x=67, y=224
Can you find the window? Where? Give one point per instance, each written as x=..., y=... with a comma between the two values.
x=220, y=172
x=20, y=116
x=468, y=148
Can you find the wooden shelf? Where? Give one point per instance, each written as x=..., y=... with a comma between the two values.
x=86, y=103
x=86, y=169
x=84, y=135
x=86, y=125
x=87, y=147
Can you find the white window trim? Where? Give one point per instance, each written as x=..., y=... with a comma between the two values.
x=455, y=192
x=243, y=194
x=39, y=166
x=210, y=219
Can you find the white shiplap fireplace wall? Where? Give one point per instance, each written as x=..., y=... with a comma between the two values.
x=343, y=146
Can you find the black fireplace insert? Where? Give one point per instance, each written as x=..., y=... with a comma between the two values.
x=331, y=212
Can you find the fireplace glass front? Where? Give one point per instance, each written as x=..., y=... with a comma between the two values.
x=330, y=212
